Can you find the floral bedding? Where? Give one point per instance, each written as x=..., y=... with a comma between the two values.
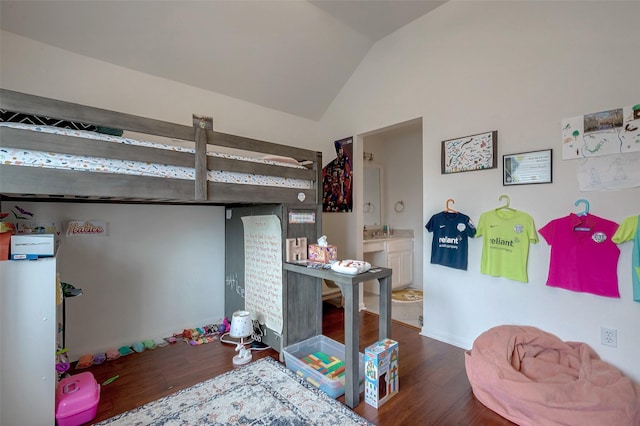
x=21, y=157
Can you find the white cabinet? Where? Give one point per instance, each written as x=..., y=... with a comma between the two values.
x=392, y=253
x=28, y=332
x=400, y=260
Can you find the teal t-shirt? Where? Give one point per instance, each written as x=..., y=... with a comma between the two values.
x=505, y=248
x=629, y=230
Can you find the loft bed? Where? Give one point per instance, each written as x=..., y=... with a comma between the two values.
x=79, y=166
x=251, y=177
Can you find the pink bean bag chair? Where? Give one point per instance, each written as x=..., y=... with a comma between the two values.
x=531, y=377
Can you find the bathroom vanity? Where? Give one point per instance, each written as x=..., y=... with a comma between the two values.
x=396, y=253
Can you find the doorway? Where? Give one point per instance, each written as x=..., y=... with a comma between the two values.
x=397, y=151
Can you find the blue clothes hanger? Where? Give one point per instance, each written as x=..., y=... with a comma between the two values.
x=586, y=206
x=582, y=226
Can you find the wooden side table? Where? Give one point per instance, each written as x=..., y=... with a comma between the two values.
x=349, y=284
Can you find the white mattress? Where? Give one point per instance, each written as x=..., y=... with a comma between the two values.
x=21, y=157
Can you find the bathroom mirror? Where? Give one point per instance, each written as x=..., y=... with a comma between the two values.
x=372, y=207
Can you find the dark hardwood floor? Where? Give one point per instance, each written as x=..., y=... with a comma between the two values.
x=434, y=389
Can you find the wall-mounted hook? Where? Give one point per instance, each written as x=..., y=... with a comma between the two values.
x=399, y=206
x=586, y=206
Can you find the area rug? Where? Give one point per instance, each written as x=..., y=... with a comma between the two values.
x=406, y=296
x=264, y=392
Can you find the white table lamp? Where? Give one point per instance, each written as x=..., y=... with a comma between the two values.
x=241, y=328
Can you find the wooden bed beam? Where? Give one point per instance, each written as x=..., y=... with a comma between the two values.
x=18, y=182
x=37, y=141
x=317, y=168
x=249, y=144
x=201, y=124
x=126, y=188
x=37, y=105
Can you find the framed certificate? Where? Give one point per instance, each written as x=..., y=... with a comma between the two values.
x=527, y=168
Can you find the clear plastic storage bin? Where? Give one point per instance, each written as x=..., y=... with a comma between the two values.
x=332, y=387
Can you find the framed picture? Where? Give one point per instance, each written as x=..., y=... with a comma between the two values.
x=475, y=152
x=527, y=168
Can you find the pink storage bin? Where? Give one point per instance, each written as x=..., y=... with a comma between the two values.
x=77, y=399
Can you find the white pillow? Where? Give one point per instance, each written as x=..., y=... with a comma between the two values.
x=351, y=267
x=281, y=159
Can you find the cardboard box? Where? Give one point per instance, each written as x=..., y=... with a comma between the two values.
x=381, y=372
x=332, y=385
x=32, y=246
x=322, y=254
x=77, y=399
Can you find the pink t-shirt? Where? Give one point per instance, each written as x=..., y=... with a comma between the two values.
x=584, y=257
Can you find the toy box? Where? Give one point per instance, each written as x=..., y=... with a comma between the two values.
x=324, y=374
x=322, y=254
x=381, y=368
x=77, y=399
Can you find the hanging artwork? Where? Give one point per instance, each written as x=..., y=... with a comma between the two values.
x=610, y=173
x=263, y=269
x=615, y=131
x=475, y=152
x=337, y=179
x=86, y=227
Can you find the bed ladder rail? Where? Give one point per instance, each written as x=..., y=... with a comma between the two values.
x=201, y=125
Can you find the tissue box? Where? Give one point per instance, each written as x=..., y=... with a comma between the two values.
x=32, y=246
x=322, y=254
x=381, y=372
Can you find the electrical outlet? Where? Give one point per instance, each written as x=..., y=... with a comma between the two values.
x=609, y=336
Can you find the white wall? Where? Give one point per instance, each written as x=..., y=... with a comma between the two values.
x=519, y=68
x=40, y=69
x=161, y=269
x=143, y=280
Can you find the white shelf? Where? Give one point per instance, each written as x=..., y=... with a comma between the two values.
x=28, y=333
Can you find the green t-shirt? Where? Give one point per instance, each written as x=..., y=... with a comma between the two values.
x=629, y=230
x=505, y=248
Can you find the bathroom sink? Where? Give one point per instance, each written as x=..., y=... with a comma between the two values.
x=378, y=238
x=376, y=244
x=385, y=243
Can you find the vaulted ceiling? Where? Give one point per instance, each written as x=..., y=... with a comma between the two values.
x=289, y=55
